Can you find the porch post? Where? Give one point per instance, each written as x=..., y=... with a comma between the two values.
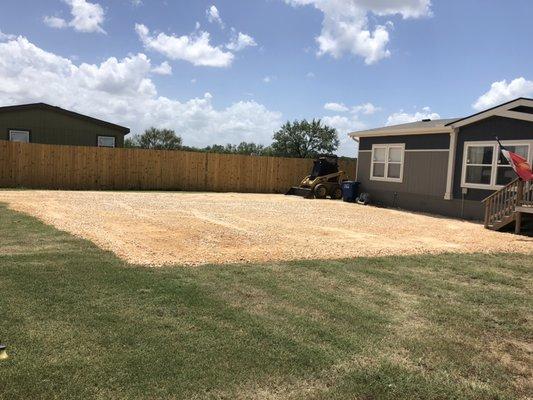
x=451, y=164
x=519, y=202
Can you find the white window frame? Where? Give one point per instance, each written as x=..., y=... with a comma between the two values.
x=387, y=147
x=19, y=131
x=495, y=157
x=107, y=137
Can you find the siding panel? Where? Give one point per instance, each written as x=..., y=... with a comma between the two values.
x=49, y=127
x=412, y=142
x=424, y=174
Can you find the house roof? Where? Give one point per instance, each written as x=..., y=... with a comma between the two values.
x=48, y=107
x=518, y=109
x=504, y=110
x=427, y=126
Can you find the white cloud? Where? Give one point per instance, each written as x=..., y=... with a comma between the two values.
x=346, y=26
x=214, y=16
x=55, y=22
x=240, y=41
x=310, y=75
x=345, y=125
x=5, y=36
x=195, y=49
x=126, y=77
x=366, y=108
x=163, y=69
x=501, y=92
x=268, y=79
x=336, y=107
x=86, y=17
x=122, y=92
x=402, y=117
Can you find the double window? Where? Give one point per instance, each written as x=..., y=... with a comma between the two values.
x=485, y=167
x=106, y=141
x=387, y=162
x=19, y=136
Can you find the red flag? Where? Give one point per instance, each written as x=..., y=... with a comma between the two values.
x=519, y=164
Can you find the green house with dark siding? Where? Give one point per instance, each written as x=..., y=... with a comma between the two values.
x=446, y=166
x=46, y=124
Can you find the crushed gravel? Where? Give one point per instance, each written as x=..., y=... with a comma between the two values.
x=155, y=228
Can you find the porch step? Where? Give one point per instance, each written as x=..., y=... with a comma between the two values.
x=508, y=223
x=502, y=223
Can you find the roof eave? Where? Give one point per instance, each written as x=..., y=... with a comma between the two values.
x=502, y=110
x=401, y=132
x=44, y=106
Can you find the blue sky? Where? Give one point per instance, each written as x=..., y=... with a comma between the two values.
x=230, y=70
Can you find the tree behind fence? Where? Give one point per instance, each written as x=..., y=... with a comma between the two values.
x=40, y=166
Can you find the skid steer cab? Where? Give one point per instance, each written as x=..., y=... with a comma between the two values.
x=325, y=180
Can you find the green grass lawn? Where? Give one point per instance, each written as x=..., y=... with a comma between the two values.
x=81, y=324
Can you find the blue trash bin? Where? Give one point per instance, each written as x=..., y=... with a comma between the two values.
x=350, y=191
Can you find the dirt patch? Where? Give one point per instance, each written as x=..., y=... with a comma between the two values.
x=197, y=228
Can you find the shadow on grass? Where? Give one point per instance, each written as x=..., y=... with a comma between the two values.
x=81, y=323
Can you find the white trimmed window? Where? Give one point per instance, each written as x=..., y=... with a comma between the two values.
x=479, y=164
x=106, y=141
x=504, y=172
x=485, y=167
x=387, y=162
x=19, y=136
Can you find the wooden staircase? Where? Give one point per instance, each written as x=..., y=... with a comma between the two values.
x=507, y=205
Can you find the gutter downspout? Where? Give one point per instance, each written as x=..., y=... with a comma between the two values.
x=451, y=164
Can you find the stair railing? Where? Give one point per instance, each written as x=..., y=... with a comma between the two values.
x=528, y=194
x=502, y=204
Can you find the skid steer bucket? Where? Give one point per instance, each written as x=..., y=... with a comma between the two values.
x=300, y=191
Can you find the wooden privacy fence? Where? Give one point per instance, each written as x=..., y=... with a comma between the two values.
x=40, y=166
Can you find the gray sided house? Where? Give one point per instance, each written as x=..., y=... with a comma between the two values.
x=46, y=124
x=444, y=166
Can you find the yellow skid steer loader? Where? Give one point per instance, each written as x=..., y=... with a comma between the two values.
x=325, y=180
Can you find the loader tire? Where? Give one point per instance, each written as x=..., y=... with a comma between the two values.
x=336, y=193
x=321, y=191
